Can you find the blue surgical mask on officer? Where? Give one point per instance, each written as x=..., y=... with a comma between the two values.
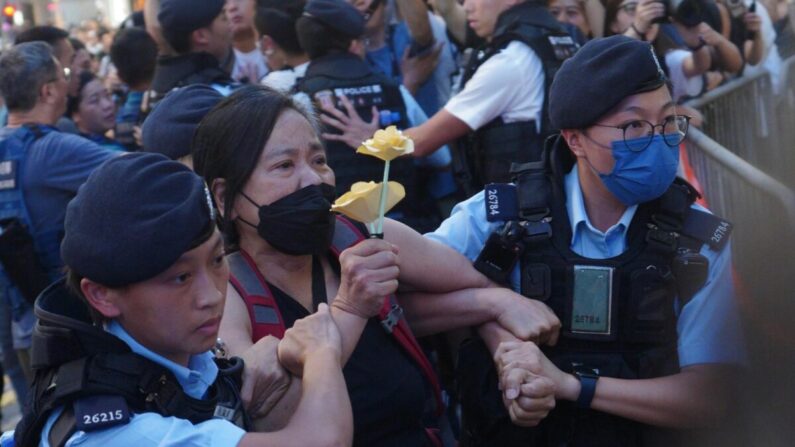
x=639, y=176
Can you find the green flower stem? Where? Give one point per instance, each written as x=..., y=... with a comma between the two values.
x=382, y=203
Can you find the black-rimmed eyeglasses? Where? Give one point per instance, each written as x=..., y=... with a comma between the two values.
x=638, y=134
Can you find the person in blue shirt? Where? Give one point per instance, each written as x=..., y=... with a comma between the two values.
x=143, y=301
x=640, y=277
x=34, y=84
x=404, y=49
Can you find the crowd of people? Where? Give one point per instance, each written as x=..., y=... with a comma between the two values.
x=172, y=274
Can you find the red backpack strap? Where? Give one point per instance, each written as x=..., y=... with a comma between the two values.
x=266, y=319
x=393, y=322
x=346, y=235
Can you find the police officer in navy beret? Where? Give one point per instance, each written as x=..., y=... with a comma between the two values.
x=604, y=233
x=123, y=348
x=200, y=35
x=169, y=129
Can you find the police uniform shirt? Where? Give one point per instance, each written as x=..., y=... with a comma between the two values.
x=708, y=326
x=152, y=429
x=509, y=84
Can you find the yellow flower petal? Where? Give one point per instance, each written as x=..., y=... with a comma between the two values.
x=361, y=202
x=387, y=144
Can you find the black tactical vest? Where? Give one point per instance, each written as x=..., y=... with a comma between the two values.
x=174, y=72
x=331, y=76
x=486, y=156
x=633, y=337
x=77, y=363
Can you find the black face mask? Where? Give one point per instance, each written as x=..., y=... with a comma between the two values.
x=300, y=223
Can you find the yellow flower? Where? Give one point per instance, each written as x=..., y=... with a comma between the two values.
x=387, y=144
x=361, y=202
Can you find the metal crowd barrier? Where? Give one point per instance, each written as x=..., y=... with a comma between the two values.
x=761, y=208
x=743, y=117
x=755, y=122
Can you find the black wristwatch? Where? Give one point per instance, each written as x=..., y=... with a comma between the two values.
x=588, y=378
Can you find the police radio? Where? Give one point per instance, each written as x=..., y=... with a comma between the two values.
x=362, y=98
x=501, y=253
x=690, y=270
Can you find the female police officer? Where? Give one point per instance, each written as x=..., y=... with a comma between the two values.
x=147, y=262
x=639, y=277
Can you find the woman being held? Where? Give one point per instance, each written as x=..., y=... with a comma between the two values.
x=262, y=157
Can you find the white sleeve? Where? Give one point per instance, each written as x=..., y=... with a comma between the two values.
x=509, y=84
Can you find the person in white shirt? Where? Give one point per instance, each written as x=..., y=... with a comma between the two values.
x=504, y=88
x=250, y=64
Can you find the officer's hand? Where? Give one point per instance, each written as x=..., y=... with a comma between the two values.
x=309, y=336
x=528, y=397
x=527, y=356
x=354, y=129
x=264, y=380
x=526, y=319
x=369, y=273
x=416, y=70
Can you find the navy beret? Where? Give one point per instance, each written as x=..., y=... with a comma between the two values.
x=338, y=15
x=598, y=77
x=134, y=217
x=188, y=15
x=169, y=129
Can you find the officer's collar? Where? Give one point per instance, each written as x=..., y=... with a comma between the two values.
x=195, y=379
x=339, y=65
x=578, y=213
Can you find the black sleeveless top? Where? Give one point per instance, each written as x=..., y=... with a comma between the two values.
x=386, y=388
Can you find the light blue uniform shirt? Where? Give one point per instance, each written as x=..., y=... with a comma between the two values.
x=708, y=326
x=152, y=429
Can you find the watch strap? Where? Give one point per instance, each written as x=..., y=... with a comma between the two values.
x=587, y=390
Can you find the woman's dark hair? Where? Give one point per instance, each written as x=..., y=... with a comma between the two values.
x=230, y=139
x=277, y=19
x=73, y=102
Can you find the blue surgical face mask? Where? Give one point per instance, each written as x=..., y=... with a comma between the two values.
x=641, y=176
